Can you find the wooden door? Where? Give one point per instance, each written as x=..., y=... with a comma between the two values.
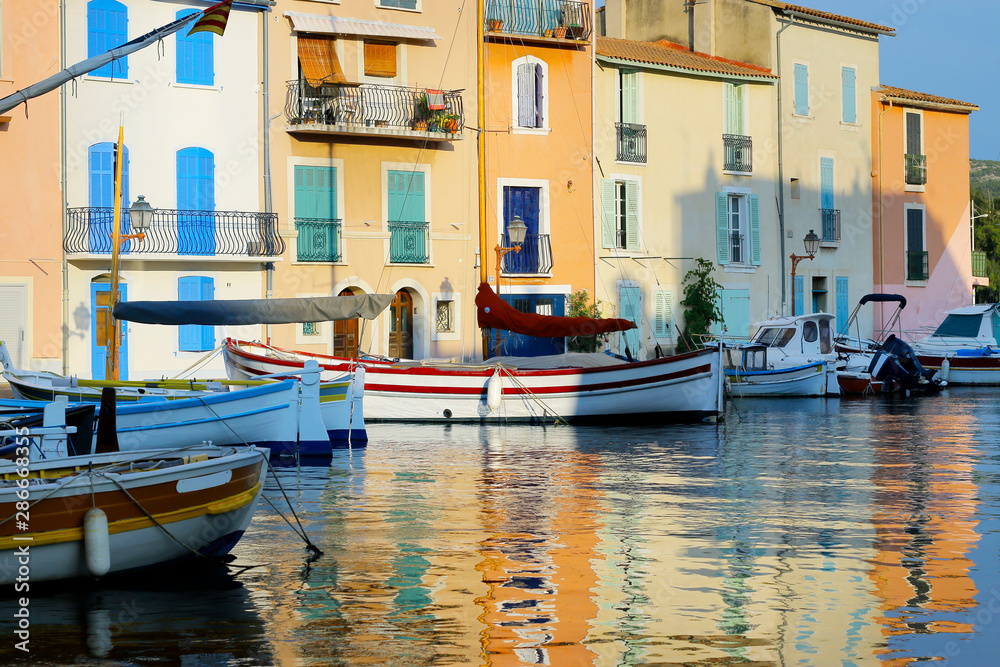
x=401, y=326
x=345, y=335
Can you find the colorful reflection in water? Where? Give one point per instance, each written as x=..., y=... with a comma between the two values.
x=799, y=532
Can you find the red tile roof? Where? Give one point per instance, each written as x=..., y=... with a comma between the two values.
x=677, y=55
x=777, y=4
x=912, y=96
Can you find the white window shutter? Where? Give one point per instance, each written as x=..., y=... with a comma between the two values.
x=664, y=315
x=632, y=215
x=608, y=227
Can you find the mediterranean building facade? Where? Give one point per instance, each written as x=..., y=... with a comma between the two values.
x=30, y=227
x=190, y=110
x=922, y=241
x=820, y=139
x=675, y=185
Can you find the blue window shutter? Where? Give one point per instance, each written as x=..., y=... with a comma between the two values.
x=316, y=192
x=195, y=55
x=801, y=90
x=798, y=298
x=754, y=230
x=608, y=228
x=826, y=183
x=107, y=27
x=848, y=77
x=630, y=309
x=722, y=227
x=207, y=289
x=843, y=304
x=195, y=179
x=189, y=289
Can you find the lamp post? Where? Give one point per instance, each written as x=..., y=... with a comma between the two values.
x=811, y=242
x=140, y=215
x=516, y=229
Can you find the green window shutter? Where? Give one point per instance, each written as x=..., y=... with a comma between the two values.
x=664, y=305
x=801, y=90
x=754, y=230
x=608, y=213
x=848, y=76
x=722, y=227
x=316, y=192
x=632, y=215
x=629, y=96
x=734, y=109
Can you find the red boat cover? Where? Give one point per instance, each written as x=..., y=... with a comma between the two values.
x=495, y=313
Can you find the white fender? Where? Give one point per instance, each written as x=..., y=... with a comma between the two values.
x=96, y=542
x=945, y=369
x=494, y=391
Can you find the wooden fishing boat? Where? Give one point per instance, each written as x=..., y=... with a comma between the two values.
x=99, y=514
x=965, y=347
x=576, y=388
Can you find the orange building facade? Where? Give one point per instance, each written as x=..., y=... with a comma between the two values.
x=30, y=226
x=921, y=210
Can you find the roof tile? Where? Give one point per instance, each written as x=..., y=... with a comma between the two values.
x=676, y=55
x=777, y=4
x=903, y=94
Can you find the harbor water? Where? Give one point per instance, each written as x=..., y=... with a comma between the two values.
x=796, y=532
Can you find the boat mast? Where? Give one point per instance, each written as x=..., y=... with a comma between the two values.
x=481, y=113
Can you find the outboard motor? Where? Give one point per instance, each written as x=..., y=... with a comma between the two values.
x=896, y=361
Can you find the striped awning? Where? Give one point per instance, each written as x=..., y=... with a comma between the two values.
x=340, y=25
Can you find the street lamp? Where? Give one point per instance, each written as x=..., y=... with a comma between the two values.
x=141, y=216
x=516, y=229
x=811, y=243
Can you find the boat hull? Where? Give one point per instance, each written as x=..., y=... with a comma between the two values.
x=961, y=370
x=809, y=380
x=681, y=388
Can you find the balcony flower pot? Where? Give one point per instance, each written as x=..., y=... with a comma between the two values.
x=450, y=124
x=548, y=32
x=576, y=31
x=560, y=32
x=494, y=25
x=420, y=125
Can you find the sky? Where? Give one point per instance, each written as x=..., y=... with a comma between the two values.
x=942, y=47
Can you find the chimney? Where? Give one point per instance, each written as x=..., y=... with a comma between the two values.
x=614, y=19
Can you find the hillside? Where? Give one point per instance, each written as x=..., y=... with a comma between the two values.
x=985, y=174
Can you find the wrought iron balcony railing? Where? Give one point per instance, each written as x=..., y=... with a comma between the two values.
x=561, y=19
x=830, y=222
x=631, y=142
x=979, y=264
x=917, y=265
x=916, y=169
x=535, y=255
x=737, y=153
x=737, y=254
x=318, y=240
x=178, y=232
x=373, y=108
x=408, y=241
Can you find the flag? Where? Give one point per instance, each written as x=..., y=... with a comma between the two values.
x=213, y=19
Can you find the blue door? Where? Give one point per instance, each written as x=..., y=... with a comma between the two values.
x=102, y=196
x=630, y=308
x=525, y=204
x=100, y=306
x=195, y=201
x=843, y=305
x=735, y=307
x=530, y=346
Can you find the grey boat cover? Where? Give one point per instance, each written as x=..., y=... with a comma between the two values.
x=254, y=311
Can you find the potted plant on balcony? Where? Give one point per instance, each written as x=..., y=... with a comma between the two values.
x=559, y=31
x=421, y=114
x=494, y=25
x=575, y=31
x=450, y=122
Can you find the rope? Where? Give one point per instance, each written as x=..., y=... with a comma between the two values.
x=545, y=408
x=200, y=361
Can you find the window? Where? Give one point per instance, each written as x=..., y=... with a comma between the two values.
x=316, y=214
x=801, y=90
x=915, y=160
x=196, y=337
x=916, y=252
x=628, y=96
x=310, y=329
x=735, y=109
x=380, y=59
x=663, y=326
x=775, y=337
x=848, y=86
x=737, y=219
x=102, y=161
x=107, y=27
x=444, y=317
x=408, y=229
x=620, y=223
x=809, y=331
x=398, y=4
x=195, y=201
x=829, y=215
x=530, y=93
x=195, y=55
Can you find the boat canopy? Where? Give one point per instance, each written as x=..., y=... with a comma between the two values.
x=960, y=326
x=882, y=298
x=495, y=313
x=254, y=311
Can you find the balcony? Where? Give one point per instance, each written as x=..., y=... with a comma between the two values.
x=737, y=151
x=631, y=142
x=408, y=242
x=318, y=240
x=172, y=232
x=915, y=169
x=979, y=264
x=916, y=265
x=368, y=109
x=830, y=224
x=556, y=21
x=535, y=256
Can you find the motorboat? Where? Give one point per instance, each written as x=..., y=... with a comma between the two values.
x=965, y=347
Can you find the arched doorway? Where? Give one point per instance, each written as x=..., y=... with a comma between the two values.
x=401, y=326
x=100, y=306
x=345, y=334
